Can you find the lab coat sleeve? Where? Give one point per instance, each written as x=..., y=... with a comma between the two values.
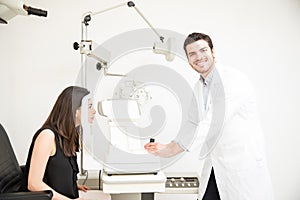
x=188, y=131
x=241, y=99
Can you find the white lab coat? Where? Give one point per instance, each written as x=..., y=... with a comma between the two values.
x=237, y=155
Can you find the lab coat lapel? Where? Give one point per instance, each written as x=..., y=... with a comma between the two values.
x=216, y=87
x=199, y=96
x=214, y=115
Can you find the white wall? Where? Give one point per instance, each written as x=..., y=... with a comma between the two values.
x=260, y=37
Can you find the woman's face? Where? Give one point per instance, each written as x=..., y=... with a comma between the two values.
x=91, y=113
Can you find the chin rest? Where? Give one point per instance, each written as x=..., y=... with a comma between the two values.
x=11, y=174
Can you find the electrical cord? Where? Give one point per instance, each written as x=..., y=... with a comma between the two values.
x=86, y=173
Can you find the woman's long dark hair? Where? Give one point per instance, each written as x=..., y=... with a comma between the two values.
x=62, y=118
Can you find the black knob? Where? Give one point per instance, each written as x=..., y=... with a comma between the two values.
x=98, y=66
x=87, y=19
x=130, y=4
x=76, y=45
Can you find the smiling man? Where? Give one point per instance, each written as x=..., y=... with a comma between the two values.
x=235, y=166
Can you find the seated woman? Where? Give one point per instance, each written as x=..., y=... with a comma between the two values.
x=52, y=162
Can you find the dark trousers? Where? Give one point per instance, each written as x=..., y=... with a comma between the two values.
x=211, y=192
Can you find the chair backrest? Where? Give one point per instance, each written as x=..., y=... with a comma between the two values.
x=10, y=171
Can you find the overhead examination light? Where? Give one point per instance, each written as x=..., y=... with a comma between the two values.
x=85, y=45
x=12, y=8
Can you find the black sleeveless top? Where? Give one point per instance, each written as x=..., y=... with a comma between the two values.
x=61, y=171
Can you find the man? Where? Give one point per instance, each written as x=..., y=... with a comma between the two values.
x=235, y=165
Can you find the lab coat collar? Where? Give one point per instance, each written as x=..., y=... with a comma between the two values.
x=206, y=81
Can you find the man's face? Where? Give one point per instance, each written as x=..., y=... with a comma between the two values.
x=200, y=57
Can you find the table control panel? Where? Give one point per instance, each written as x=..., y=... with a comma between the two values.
x=182, y=182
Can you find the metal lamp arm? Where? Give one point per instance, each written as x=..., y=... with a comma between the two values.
x=87, y=16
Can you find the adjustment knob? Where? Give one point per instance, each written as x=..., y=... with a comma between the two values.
x=76, y=45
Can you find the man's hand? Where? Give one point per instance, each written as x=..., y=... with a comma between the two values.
x=154, y=147
x=163, y=150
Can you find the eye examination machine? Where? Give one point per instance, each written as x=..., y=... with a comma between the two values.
x=136, y=104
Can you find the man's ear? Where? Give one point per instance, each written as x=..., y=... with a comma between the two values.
x=213, y=53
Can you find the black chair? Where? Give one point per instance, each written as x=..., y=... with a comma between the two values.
x=11, y=174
